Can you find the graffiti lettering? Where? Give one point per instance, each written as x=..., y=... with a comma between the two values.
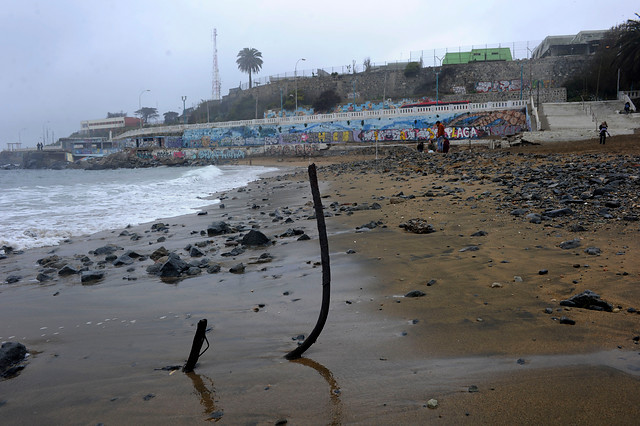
x=498, y=86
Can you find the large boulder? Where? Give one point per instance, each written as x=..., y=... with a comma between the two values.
x=11, y=353
x=170, y=267
x=218, y=227
x=255, y=238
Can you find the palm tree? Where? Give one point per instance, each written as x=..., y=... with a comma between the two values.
x=249, y=60
x=628, y=57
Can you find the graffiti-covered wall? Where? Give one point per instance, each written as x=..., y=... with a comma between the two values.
x=466, y=125
x=192, y=154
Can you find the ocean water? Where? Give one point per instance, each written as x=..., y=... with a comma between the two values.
x=44, y=207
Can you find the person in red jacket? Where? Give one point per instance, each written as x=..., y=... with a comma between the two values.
x=439, y=135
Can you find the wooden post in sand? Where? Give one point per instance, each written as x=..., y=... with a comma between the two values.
x=198, y=339
x=326, y=270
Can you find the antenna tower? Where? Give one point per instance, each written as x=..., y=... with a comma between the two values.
x=216, y=73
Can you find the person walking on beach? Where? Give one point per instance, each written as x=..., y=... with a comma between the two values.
x=439, y=135
x=445, y=145
x=603, y=132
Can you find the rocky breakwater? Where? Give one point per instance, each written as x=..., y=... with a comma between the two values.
x=133, y=158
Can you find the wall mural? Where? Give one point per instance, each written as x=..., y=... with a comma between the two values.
x=467, y=125
x=193, y=154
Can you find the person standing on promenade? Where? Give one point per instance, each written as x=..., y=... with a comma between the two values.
x=439, y=135
x=603, y=132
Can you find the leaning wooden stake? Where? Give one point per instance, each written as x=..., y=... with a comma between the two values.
x=198, y=339
x=326, y=270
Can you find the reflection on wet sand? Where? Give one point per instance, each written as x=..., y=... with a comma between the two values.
x=207, y=396
x=334, y=389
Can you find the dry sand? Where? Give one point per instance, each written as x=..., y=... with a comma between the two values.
x=95, y=349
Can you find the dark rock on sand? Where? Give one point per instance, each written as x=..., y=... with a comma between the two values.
x=568, y=321
x=195, y=252
x=304, y=237
x=213, y=269
x=587, y=300
x=67, y=270
x=534, y=218
x=91, y=276
x=255, y=238
x=415, y=293
x=108, y=249
x=11, y=353
x=558, y=212
x=236, y=251
x=370, y=225
x=159, y=227
x=172, y=266
x=50, y=261
x=291, y=233
x=570, y=244
x=418, y=226
x=218, y=228
x=237, y=269
x=159, y=253
x=12, y=279
x=123, y=260
x=42, y=277
x=264, y=258
x=193, y=270
x=479, y=234
x=593, y=251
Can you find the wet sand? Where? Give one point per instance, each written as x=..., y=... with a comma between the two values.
x=95, y=350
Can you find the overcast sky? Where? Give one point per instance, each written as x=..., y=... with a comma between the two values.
x=65, y=61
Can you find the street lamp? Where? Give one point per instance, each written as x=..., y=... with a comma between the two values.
x=140, y=104
x=295, y=78
x=184, y=109
x=437, y=75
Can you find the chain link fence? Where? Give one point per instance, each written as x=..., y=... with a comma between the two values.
x=428, y=58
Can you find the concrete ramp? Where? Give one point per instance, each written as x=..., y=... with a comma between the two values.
x=565, y=115
x=568, y=121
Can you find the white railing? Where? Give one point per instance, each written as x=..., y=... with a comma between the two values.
x=534, y=110
x=588, y=109
x=626, y=97
x=628, y=93
x=317, y=118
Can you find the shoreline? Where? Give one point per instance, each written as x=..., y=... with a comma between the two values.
x=381, y=356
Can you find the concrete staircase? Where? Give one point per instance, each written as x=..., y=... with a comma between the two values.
x=568, y=121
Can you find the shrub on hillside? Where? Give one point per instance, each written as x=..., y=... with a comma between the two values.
x=412, y=69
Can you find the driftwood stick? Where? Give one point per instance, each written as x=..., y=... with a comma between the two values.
x=198, y=339
x=326, y=269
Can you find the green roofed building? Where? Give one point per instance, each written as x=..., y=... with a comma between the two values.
x=478, y=55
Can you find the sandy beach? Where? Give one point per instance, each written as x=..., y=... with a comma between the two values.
x=486, y=335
